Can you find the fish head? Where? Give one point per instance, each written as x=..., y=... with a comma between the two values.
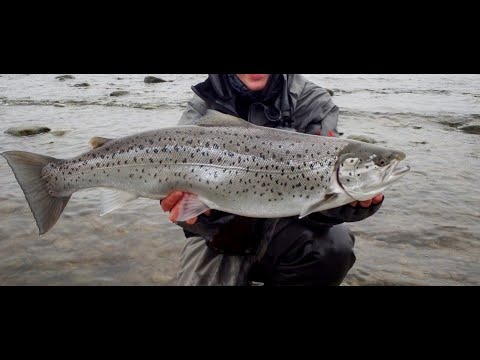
x=365, y=170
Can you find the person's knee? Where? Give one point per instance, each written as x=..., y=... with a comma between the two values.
x=334, y=254
x=310, y=256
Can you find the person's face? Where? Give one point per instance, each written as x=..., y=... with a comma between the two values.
x=254, y=82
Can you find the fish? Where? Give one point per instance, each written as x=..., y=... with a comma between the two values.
x=221, y=162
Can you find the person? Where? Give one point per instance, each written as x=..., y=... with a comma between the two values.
x=226, y=249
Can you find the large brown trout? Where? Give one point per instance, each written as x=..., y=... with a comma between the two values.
x=223, y=162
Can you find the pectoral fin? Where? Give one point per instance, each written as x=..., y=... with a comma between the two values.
x=323, y=204
x=190, y=206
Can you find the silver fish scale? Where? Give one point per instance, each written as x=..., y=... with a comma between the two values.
x=251, y=171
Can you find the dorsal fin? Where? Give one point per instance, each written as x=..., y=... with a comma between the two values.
x=216, y=118
x=98, y=141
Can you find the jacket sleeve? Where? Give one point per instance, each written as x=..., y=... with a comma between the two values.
x=226, y=233
x=196, y=108
x=345, y=213
x=315, y=113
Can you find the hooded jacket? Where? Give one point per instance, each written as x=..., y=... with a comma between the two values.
x=288, y=101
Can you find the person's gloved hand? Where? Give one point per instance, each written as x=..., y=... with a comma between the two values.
x=355, y=211
x=224, y=233
x=170, y=203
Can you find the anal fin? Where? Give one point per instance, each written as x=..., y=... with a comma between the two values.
x=112, y=199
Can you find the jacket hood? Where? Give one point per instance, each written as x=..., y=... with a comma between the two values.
x=223, y=88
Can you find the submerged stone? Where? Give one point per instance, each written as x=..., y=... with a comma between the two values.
x=64, y=77
x=27, y=131
x=471, y=129
x=119, y=93
x=153, y=80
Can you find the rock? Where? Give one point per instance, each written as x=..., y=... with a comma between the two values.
x=472, y=128
x=416, y=127
x=119, y=93
x=58, y=132
x=330, y=91
x=64, y=77
x=26, y=131
x=363, y=138
x=153, y=80
x=454, y=122
x=59, y=105
x=82, y=85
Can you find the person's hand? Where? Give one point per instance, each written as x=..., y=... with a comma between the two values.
x=367, y=203
x=170, y=203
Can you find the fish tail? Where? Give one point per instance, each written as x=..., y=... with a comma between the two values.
x=27, y=168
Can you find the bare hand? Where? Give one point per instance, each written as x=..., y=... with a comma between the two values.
x=170, y=203
x=367, y=203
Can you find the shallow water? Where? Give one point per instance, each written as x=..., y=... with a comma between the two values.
x=426, y=233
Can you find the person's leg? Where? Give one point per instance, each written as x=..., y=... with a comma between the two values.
x=302, y=253
x=200, y=265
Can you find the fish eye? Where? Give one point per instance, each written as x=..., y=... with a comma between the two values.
x=380, y=162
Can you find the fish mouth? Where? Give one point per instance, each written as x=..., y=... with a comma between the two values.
x=393, y=172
